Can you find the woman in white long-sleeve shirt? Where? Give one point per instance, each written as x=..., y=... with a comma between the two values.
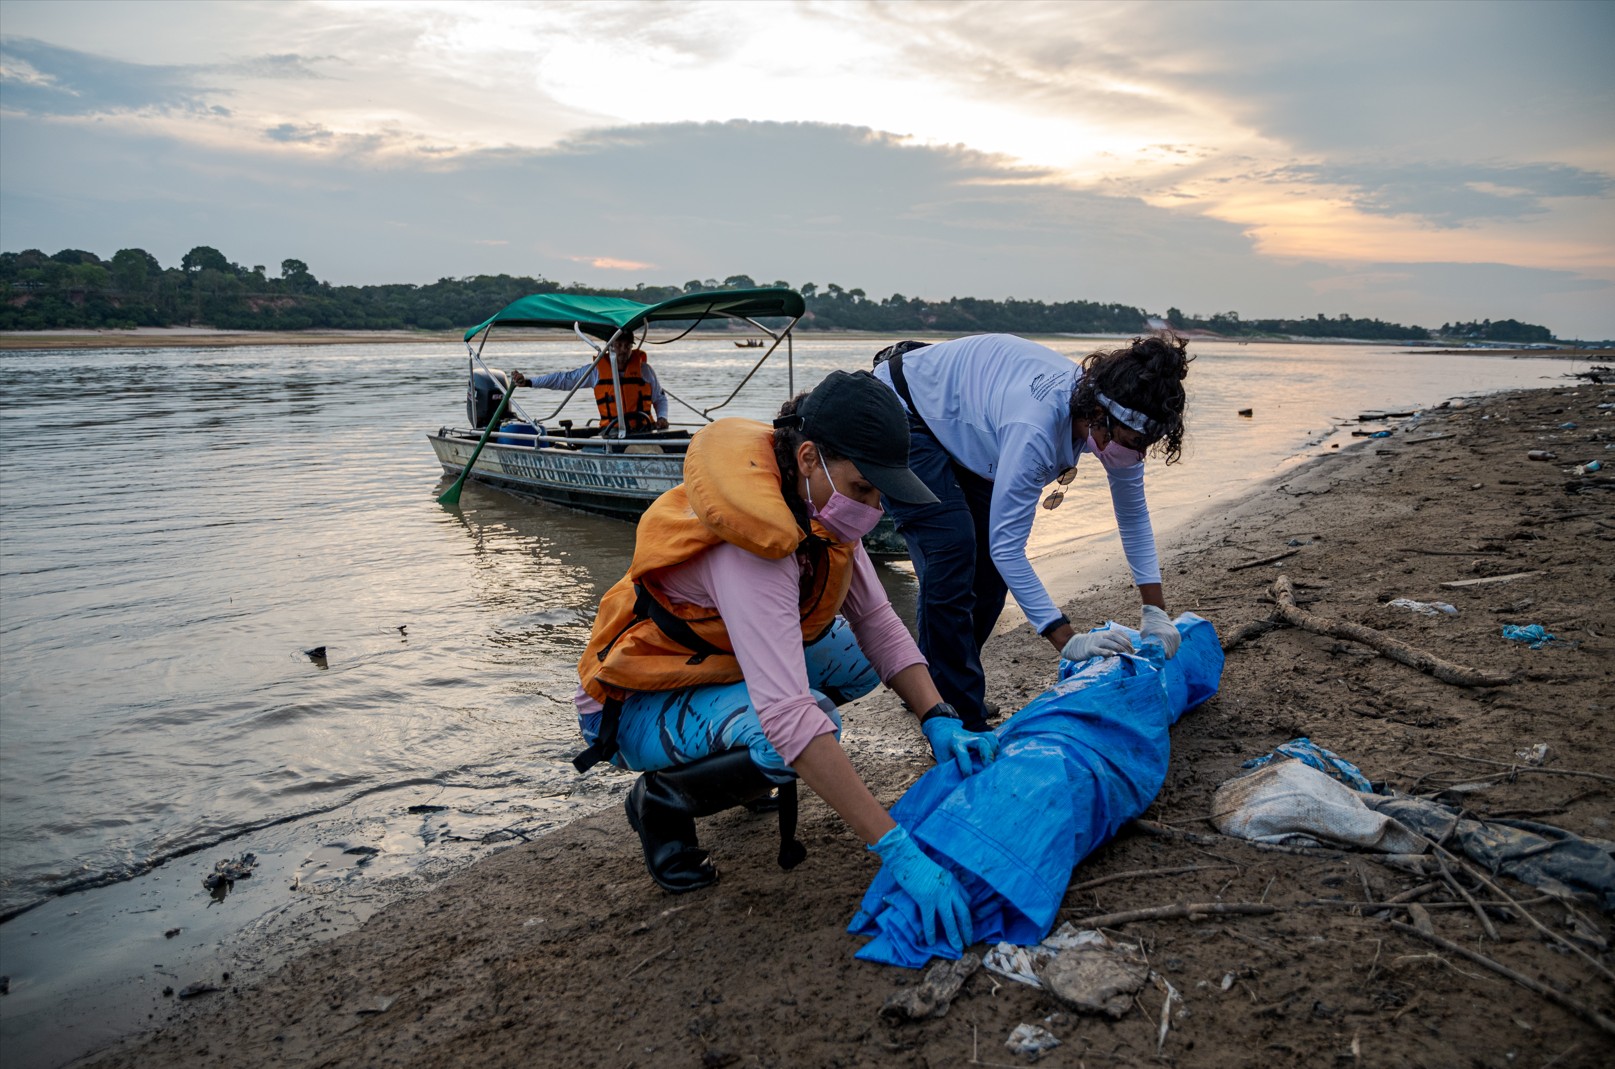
x=994, y=419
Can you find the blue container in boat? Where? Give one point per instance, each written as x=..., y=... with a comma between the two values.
x=519, y=434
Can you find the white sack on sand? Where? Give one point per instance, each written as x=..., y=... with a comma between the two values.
x=1291, y=803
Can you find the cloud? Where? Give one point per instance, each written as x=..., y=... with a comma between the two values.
x=1455, y=194
x=798, y=201
x=19, y=72
x=286, y=67
x=44, y=79
x=298, y=133
x=61, y=81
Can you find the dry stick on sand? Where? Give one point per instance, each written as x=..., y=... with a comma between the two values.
x=1412, y=894
x=1283, y=593
x=1274, y=559
x=1180, y=911
x=1151, y=827
x=1519, y=910
x=1139, y=873
x=1514, y=767
x=1586, y=1013
x=1458, y=888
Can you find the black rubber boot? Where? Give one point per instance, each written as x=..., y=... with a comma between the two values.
x=657, y=812
x=662, y=807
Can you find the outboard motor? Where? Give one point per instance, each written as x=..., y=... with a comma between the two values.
x=482, y=397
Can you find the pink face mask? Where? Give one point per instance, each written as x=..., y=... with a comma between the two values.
x=1115, y=456
x=846, y=518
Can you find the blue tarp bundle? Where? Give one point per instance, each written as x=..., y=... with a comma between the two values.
x=1074, y=765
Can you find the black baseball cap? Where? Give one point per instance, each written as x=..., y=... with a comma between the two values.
x=856, y=415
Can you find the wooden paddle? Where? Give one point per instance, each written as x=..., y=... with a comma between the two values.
x=451, y=496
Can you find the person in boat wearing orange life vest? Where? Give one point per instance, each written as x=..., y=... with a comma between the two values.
x=645, y=402
x=750, y=611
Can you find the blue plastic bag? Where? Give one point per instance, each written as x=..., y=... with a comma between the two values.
x=1534, y=635
x=1326, y=761
x=1074, y=765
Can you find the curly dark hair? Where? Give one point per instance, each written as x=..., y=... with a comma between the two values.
x=1146, y=376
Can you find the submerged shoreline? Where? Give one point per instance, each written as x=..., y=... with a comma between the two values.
x=519, y=958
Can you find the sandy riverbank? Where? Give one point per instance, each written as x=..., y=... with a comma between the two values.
x=562, y=953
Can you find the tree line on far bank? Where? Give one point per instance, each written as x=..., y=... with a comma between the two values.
x=75, y=288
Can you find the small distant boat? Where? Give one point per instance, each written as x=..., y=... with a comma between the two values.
x=749, y=343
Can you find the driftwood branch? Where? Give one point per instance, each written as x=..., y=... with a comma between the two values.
x=1283, y=593
x=1564, y=1002
x=1489, y=580
x=1250, y=631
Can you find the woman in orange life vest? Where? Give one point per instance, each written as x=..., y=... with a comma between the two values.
x=749, y=612
x=645, y=403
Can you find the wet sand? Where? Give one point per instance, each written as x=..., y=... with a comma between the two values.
x=562, y=953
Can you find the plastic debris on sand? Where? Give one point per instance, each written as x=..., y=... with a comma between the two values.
x=1428, y=608
x=1311, y=754
x=1534, y=635
x=1030, y=1039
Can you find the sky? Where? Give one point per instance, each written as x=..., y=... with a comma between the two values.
x=1420, y=163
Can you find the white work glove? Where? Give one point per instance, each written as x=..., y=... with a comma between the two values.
x=1158, y=625
x=1106, y=643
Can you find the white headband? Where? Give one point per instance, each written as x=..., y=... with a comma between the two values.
x=1136, y=421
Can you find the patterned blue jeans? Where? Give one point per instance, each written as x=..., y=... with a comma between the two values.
x=661, y=729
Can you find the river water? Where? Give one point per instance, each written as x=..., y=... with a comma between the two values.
x=180, y=525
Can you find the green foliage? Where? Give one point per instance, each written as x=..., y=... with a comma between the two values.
x=1342, y=326
x=75, y=288
x=1504, y=330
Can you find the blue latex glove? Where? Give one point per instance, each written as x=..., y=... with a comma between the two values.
x=1106, y=643
x=950, y=739
x=1158, y=625
x=932, y=888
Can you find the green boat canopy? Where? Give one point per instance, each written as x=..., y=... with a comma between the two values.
x=604, y=316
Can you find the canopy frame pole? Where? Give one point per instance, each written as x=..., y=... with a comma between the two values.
x=576, y=385
x=616, y=383
x=687, y=405
x=784, y=336
x=760, y=327
x=476, y=358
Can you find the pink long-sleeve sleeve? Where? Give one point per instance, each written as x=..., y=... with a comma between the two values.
x=881, y=634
